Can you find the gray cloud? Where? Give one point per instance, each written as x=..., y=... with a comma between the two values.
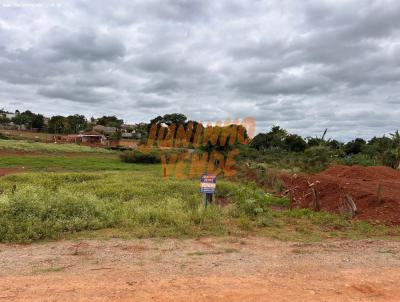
x=75, y=94
x=306, y=65
x=86, y=45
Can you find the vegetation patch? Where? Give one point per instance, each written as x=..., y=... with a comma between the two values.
x=151, y=156
x=21, y=145
x=48, y=205
x=141, y=204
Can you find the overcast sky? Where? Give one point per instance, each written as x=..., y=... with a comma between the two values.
x=305, y=65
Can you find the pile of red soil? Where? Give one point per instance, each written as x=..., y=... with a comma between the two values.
x=360, y=183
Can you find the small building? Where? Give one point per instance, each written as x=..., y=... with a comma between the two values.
x=127, y=127
x=10, y=115
x=6, y=114
x=127, y=135
x=91, y=138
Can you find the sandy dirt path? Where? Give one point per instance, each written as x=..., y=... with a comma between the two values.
x=207, y=269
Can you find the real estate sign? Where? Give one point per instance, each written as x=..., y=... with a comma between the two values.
x=208, y=183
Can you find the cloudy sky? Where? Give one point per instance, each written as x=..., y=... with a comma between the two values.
x=305, y=65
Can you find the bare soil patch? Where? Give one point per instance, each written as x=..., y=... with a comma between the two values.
x=6, y=171
x=208, y=269
x=360, y=183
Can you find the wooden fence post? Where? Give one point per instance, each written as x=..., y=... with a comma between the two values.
x=315, y=202
x=351, y=205
x=378, y=194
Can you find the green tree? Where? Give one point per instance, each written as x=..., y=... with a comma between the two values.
x=30, y=119
x=37, y=121
x=110, y=121
x=276, y=137
x=169, y=119
x=355, y=146
x=22, y=119
x=174, y=118
x=76, y=123
x=334, y=144
x=259, y=141
x=58, y=124
x=295, y=143
x=4, y=120
x=396, y=142
x=396, y=138
x=377, y=146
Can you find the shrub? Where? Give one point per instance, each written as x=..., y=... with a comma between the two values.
x=2, y=136
x=148, y=157
x=358, y=159
x=317, y=158
x=225, y=189
x=33, y=213
x=250, y=201
x=391, y=158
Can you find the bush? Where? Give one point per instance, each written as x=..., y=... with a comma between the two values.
x=33, y=213
x=391, y=158
x=317, y=158
x=358, y=159
x=250, y=201
x=148, y=157
x=2, y=136
x=247, y=153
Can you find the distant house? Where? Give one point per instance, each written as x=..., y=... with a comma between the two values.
x=10, y=115
x=127, y=135
x=6, y=114
x=127, y=127
x=104, y=129
x=127, y=131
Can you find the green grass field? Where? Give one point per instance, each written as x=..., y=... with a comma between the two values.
x=22, y=145
x=60, y=162
x=97, y=195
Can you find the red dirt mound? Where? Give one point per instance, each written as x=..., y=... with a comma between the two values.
x=361, y=183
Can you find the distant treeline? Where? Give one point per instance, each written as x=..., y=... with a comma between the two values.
x=175, y=130
x=57, y=124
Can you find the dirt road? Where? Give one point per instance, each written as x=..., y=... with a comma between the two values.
x=208, y=269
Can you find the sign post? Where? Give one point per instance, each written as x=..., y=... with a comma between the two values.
x=207, y=185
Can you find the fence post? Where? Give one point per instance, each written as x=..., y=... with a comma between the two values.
x=315, y=202
x=351, y=205
x=378, y=194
